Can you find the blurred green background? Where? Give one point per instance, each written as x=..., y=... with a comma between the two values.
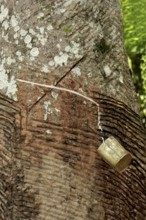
x=134, y=13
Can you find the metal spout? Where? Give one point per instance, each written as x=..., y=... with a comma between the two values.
x=114, y=154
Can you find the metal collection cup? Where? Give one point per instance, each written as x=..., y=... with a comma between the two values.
x=114, y=154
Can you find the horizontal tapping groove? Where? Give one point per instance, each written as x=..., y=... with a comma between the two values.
x=124, y=191
x=112, y=128
x=111, y=202
x=6, y=125
x=7, y=137
x=56, y=194
x=5, y=99
x=79, y=166
x=5, y=158
x=65, y=196
x=122, y=112
x=5, y=117
x=61, y=214
x=129, y=196
x=74, y=135
x=120, y=216
x=109, y=101
x=36, y=124
x=6, y=148
x=125, y=129
x=128, y=188
x=66, y=138
x=138, y=180
x=3, y=196
x=124, y=182
x=9, y=110
x=121, y=118
x=42, y=148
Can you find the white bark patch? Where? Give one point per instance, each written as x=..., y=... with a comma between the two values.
x=3, y=61
x=29, y=46
x=16, y=35
x=32, y=59
x=31, y=31
x=107, y=70
x=61, y=59
x=121, y=78
x=113, y=33
x=14, y=21
x=3, y=13
x=21, y=58
x=27, y=39
x=54, y=95
x=34, y=52
x=10, y=60
x=47, y=108
x=48, y=131
x=43, y=41
x=6, y=85
x=19, y=55
x=16, y=41
x=50, y=27
x=41, y=38
x=91, y=24
x=23, y=32
x=58, y=46
x=45, y=69
x=100, y=31
x=77, y=71
x=51, y=63
x=17, y=28
x=40, y=15
x=73, y=50
x=57, y=110
x=89, y=75
x=42, y=30
x=60, y=11
x=70, y=51
x=72, y=2
x=5, y=24
x=5, y=37
x=12, y=89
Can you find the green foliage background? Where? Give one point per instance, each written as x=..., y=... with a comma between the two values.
x=134, y=13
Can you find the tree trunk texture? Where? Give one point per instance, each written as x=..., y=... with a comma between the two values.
x=50, y=169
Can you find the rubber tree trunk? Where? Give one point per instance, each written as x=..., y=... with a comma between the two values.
x=49, y=165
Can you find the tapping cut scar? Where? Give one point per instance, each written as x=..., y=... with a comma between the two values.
x=69, y=91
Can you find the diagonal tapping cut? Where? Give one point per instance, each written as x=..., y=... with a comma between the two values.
x=58, y=81
x=72, y=92
x=71, y=68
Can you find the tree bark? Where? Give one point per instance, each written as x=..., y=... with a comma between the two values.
x=50, y=169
